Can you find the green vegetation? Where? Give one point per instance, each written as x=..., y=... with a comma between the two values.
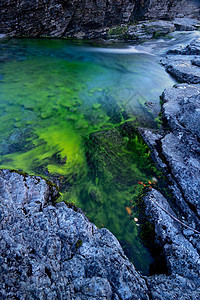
x=71, y=117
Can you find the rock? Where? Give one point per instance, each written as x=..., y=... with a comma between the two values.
x=53, y=252
x=196, y=62
x=182, y=62
x=178, y=148
x=85, y=19
x=180, y=108
x=175, y=150
x=192, y=49
x=173, y=286
x=181, y=153
x=2, y=36
x=186, y=24
x=183, y=70
x=182, y=258
x=162, y=9
x=145, y=30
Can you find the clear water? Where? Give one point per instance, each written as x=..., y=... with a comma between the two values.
x=68, y=112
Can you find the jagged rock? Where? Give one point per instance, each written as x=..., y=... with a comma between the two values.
x=149, y=29
x=175, y=101
x=181, y=147
x=177, y=150
x=84, y=19
x=192, y=49
x=182, y=62
x=162, y=9
x=182, y=258
x=183, y=70
x=196, y=62
x=53, y=252
x=186, y=24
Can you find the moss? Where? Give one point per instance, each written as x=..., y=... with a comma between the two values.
x=78, y=244
x=119, y=31
x=72, y=206
x=19, y=172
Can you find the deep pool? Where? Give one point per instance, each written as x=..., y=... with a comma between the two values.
x=69, y=112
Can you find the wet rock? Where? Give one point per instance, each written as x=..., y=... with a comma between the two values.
x=186, y=24
x=52, y=251
x=177, y=100
x=182, y=62
x=181, y=146
x=176, y=151
x=182, y=258
x=192, y=49
x=149, y=29
x=2, y=36
x=183, y=70
x=196, y=62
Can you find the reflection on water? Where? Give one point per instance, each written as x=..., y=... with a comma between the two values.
x=69, y=112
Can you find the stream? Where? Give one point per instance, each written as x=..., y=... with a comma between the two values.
x=69, y=112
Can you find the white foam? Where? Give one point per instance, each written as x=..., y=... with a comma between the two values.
x=129, y=50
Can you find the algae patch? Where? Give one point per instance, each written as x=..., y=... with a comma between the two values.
x=69, y=115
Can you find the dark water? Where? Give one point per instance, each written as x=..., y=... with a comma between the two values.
x=68, y=112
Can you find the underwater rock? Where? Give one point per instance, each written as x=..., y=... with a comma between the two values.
x=52, y=251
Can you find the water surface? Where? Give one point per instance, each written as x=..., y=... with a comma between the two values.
x=69, y=112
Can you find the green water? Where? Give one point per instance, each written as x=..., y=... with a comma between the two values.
x=69, y=112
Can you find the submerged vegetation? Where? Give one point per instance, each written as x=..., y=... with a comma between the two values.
x=70, y=115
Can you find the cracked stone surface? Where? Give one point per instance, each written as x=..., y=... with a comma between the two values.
x=179, y=249
x=182, y=62
x=53, y=252
x=176, y=150
x=89, y=19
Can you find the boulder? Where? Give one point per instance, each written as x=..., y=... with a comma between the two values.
x=182, y=258
x=186, y=24
x=53, y=252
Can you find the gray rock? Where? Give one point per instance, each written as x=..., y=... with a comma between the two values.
x=149, y=29
x=196, y=62
x=182, y=62
x=183, y=70
x=181, y=153
x=192, y=49
x=162, y=9
x=186, y=24
x=182, y=258
x=2, y=36
x=53, y=252
x=85, y=19
x=175, y=100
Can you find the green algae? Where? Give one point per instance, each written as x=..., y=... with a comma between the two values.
x=65, y=116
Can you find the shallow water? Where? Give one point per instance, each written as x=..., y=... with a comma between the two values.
x=69, y=111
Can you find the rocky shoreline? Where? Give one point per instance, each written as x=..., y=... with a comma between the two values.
x=50, y=250
x=88, y=19
x=175, y=150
